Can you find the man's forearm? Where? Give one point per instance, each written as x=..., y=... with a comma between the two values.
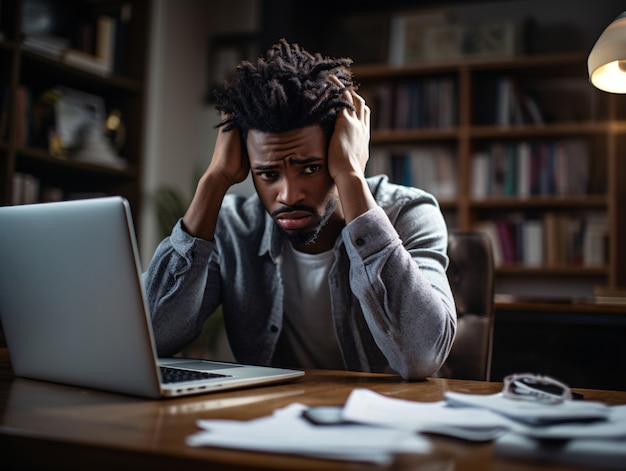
x=200, y=218
x=355, y=196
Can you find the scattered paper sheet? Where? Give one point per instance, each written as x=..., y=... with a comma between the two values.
x=365, y=406
x=382, y=427
x=596, y=453
x=286, y=431
x=611, y=428
x=534, y=413
x=477, y=417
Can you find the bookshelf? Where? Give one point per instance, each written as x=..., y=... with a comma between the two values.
x=532, y=156
x=92, y=52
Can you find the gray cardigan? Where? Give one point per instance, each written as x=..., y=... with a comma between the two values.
x=392, y=306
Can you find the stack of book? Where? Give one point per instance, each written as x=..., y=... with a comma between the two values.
x=554, y=240
x=544, y=168
x=610, y=295
x=46, y=44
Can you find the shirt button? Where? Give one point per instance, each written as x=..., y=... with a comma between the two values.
x=273, y=328
x=360, y=241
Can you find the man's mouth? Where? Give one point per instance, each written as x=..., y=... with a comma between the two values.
x=294, y=220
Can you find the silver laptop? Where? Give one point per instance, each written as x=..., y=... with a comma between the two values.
x=73, y=307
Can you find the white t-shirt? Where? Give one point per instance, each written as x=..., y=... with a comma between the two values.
x=308, y=326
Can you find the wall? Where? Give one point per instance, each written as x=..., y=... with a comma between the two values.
x=179, y=127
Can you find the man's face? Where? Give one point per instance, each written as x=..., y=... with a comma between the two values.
x=290, y=174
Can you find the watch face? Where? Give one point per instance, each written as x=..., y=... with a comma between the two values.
x=38, y=17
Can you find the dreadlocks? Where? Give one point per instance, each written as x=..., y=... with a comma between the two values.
x=287, y=89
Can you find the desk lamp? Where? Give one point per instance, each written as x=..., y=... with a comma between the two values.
x=607, y=60
x=607, y=71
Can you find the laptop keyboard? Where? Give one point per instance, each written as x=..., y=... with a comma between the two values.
x=179, y=375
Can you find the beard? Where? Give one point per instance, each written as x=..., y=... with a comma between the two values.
x=307, y=237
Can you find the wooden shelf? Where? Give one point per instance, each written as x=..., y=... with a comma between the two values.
x=572, y=111
x=123, y=88
x=562, y=270
x=395, y=136
x=39, y=160
x=57, y=70
x=542, y=202
x=374, y=71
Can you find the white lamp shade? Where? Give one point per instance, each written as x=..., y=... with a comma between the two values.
x=607, y=60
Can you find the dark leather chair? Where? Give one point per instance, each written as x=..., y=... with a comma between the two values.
x=470, y=273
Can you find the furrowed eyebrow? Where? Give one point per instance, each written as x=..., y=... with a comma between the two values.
x=265, y=167
x=306, y=160
x=303, y=161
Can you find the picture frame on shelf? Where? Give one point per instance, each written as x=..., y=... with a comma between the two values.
x=74, y=111
x=226, y=51
x=482, y=39
x=407, y=34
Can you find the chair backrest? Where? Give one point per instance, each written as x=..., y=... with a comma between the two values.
x=470, y=274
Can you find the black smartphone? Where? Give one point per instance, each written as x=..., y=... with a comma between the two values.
x=324, y=415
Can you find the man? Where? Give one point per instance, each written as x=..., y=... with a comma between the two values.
x=321, y=267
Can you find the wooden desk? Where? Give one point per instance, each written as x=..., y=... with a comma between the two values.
x=47, y=426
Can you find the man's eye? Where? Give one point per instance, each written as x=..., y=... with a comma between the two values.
x=310, y=169
x=267, y=175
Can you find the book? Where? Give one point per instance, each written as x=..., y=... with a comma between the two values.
x=532, y=240
x=480, y=175
x=523, y=169
x=379, y=162
x=489, y=229
x=105, y=40
x=26, y=188
x=506, y=237
x=497, y=169
x=554, y=240
x=610, y=294
x=107, y=34
x=595, y=238
x=21, y=116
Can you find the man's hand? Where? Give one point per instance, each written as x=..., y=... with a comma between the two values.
x=348, y=150
x=229, y=165
x=230, y=162
x=348, y=153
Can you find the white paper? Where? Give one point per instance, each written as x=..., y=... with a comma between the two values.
x=613, y=427
x=480, y=421
x=596, y=453
x=286, y=431
x=365, y=406
x=534, y=413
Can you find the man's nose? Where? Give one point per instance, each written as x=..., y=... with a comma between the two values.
x=290, y=192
